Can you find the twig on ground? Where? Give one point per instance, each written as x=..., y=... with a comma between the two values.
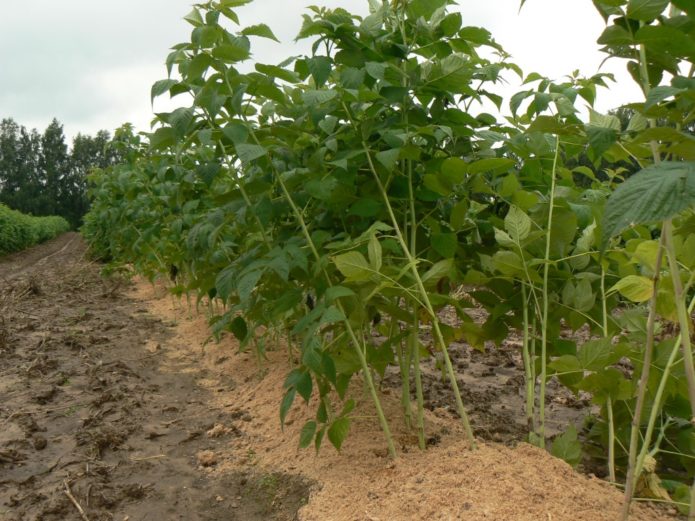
x=74, y=501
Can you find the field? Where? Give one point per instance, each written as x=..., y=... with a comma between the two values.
x=339, y=288
x=111, y=391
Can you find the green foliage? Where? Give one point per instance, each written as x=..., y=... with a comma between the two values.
x=337, y=198
x=19, y=231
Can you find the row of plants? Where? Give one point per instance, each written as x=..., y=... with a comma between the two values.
x=346, y=193
x=19, y=231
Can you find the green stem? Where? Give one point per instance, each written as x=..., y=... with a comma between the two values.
x=611, y=441
x=415, y=347
x=684, y=321
x=415, y=351
x=369, y=381
x=546, y=300
x=439, y=337
x=528, y=368
x=609, y=402
x=635, y=469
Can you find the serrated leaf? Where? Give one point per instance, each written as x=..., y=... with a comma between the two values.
x=353, y=266
x=658, y=94
x=304, y=386
x=374, y=251
x=320, y=69
x=388, y=158
x=306, y=436
x=646, y=10
x=567, y=447
x=286, y=404
x=261, y=30
x=160, y=87
x=653, y=194
x=239, y=328
x=248, y=153
x=634, y=287
x=336, y=292
x=338, y=431
x=445, y=244
x=317, y=97
x=438, y=271
x=277, y=72
x=594, y=355
x=517, y=224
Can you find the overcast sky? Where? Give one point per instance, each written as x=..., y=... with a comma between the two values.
x=91, y=63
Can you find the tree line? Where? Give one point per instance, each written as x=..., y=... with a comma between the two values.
x=41, y=175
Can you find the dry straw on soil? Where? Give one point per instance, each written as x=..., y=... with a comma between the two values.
x=447, y=482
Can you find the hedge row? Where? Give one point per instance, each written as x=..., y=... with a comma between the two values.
x=19, y=231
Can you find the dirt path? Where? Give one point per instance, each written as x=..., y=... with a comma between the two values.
x=98, y=412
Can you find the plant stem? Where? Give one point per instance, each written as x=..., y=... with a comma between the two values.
x=415, y=347
x=369, y=381
x=544, y=323
x=609, y=402
x=439, y=337
x=528, y=369
x=685, y=328
x=611, y=441
x=415, y=350
x=632, y=473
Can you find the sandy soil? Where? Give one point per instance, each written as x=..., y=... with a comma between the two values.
x=98, y=412
x=447, y=482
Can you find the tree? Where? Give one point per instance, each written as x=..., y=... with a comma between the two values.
x=53, y=164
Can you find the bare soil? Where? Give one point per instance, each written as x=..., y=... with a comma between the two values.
x=96, y=412
x=112, y=392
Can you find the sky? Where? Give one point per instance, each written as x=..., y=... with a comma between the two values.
x=91, y=63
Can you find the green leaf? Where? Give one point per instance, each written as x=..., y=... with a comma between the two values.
x=353, y=266
x=656, y=193
x=248, y=153
x=646, y=10
x=375, y=252
x=338, y=431
x=286, y=404
x=634, y=287
x=658, y=94
x=567, y=447
x=493, y=164
x=320, y=69
x=318, y=97
x=445, y=244
x=376, y=70
x=508, y=263
x=451, y=24
x=231, y=53
x=594, y=355
x=331, y=316
x=307, y=434
x=517, y=224
x=194, y=18
x=304, y=386
x=336, y=292
x=261, y=30
x=160, y=87
x=597, y=119
x=239, y=328
x=424, y=8
x=567, y=369
x=277, y=72
x=388, y=158
x=438, y=271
